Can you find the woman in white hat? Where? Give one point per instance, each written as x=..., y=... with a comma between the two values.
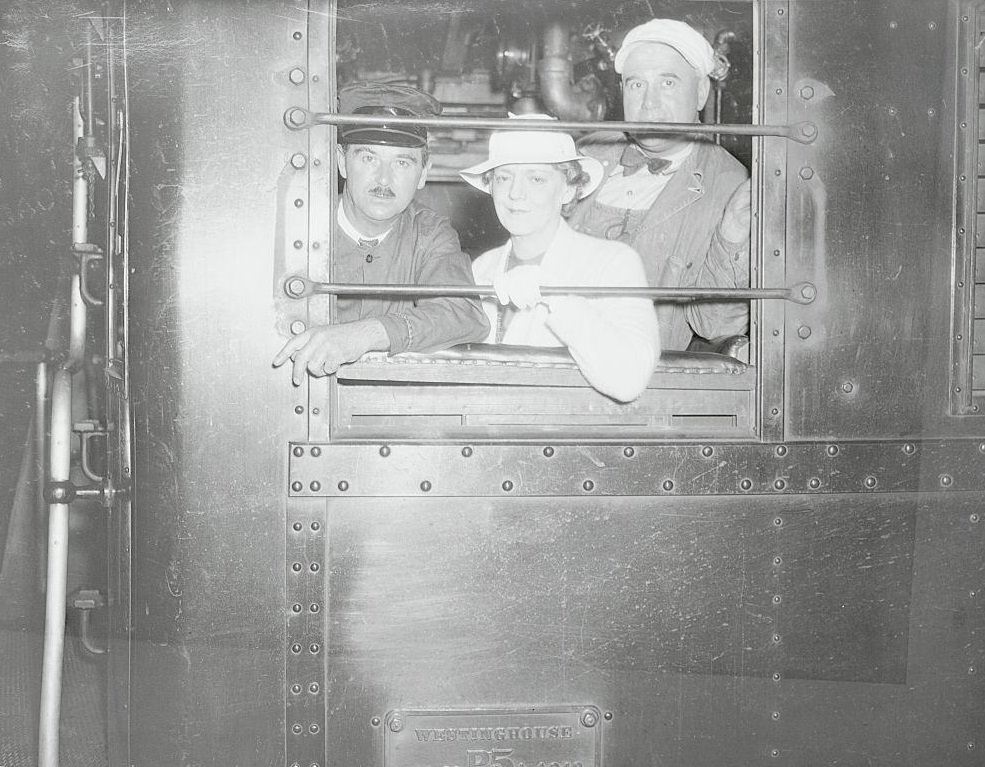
x=532, y=176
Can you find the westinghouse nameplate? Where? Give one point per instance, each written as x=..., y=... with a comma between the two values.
x=539, y=737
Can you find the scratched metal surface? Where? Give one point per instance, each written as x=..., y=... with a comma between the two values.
x=712, y=634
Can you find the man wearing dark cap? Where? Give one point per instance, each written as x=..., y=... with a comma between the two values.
x=681, y=202
x=382, y=236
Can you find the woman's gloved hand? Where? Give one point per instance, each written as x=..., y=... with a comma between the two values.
x=519, y=286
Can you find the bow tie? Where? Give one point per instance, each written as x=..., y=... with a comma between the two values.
x=633, y=159
x=369, y=243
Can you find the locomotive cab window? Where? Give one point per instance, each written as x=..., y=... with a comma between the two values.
x=627, y=209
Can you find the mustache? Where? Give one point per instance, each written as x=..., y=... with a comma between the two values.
x=382, y=191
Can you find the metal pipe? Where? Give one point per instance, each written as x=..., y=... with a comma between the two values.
x=90, y=119
x=301, y=287
x=554, y=75
x=80, y=185
x=54, y=627
x=298, y=118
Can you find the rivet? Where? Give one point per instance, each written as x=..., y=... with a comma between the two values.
x=608, y=716
x=548, y=451
x=385, y=451
x=931, y=112
x=807, y=92
x=313, y=688
x=316, y=162
x=974, y=519
x=781, y=450
x=777, y=560
x=296, y=728
x=777, y=599
x=396, y=724
x=746, y=484
x=848, y=387
x=776, y=639
x=707, y=451
x=893, y=25
x=775, y=715
x=315, y=451
x=776, y=676
x=316, y=526
x=342, y=486
x=298, y=203
x=779, y=484
x=776, y=252
x=971, y=745
x=775, y=411
x=467, y=452
x=313, y=729
x=932, y=26
x=892, y=111
x=297, y=487
x=315, y=567
x=298, y=451
x=297, y=525
x=315, y=486
x=297, y=35
x=425, y=486
x=298, y=160
x=315, y=245
x=779, y=11
x=375, y=721
x=298, y=244
x=629, y=452
x=507, y=486
x=981, y=447
x=871, y=482
x=808, y=130
x=778, y=172
x=295, y=648
x=298, y=327
x=296, y=75
x=296, y=567
x=909, y=448
x=776, y=332
x=779, y=91
x=971, y=669
x=296, y=689
x=804, y=332
x=964, y=70
x=297, y=117
x=815, y=483
x=589, y=718
x=296, y=608
x=777, y=521
x=946, y=480
x=314, y=648
x=833, y=450
x=314, y=607
x=807, y=173
x=775, y=753
x=588, y=486
x=315, y=411
x=299, y=409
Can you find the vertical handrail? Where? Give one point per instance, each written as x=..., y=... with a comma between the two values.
x=59, y=471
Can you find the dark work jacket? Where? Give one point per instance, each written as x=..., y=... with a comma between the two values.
x=421, y=249
x=678, y=237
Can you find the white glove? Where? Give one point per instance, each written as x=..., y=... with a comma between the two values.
x=519, y=286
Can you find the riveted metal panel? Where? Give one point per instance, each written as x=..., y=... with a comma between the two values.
x=706, y=632
x=612, y=470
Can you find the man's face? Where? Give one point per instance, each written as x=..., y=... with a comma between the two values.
x=659, y=85
x=380, y=183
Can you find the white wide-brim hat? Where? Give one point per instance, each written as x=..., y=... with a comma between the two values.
x=533, y=147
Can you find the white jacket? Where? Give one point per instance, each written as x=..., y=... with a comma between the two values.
x=615, y=341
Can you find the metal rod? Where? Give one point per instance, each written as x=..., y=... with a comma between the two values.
x=299, y=118
x=301, y=287
x=90, y=119
x=54, y=624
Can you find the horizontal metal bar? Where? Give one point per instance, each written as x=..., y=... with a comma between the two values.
x=298, y=118
x=301, y=287
x=25, y=357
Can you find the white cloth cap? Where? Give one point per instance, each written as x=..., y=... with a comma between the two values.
x=533, y=147
x=683, y=38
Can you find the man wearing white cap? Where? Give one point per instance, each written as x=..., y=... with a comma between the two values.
x=681, y=202
x=532, y=176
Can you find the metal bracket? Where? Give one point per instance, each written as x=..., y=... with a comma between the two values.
x=85, y=601
x=87, y=430
x=86, y=253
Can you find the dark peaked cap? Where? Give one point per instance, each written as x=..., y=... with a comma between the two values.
x=386, y=99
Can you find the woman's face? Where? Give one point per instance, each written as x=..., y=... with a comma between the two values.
x=528, y=197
